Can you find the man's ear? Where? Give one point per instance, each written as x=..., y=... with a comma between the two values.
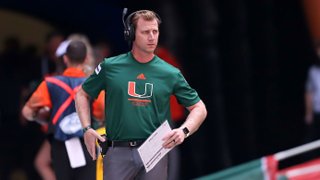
x=86, y=59
x=65, y=59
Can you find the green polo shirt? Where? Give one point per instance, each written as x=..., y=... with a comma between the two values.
x=137, y=94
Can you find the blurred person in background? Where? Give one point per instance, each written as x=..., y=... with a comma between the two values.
x=94, y=54
x=43, y=162
x=90, y=62
x=55, y=96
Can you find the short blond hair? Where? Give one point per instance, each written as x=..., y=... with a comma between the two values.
x=146, y=15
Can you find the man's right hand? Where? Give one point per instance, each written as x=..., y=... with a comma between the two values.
x=90, y=137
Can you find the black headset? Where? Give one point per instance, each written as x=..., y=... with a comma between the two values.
x=129, y=31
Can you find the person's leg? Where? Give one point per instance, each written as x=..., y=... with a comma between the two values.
x=87, y=172
x=43, y=162
x=60, y=160
x=159, y=172
x=120, y=163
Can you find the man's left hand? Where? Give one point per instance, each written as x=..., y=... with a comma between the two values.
x=173, y=138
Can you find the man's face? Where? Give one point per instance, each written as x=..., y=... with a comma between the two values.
x=146, y=37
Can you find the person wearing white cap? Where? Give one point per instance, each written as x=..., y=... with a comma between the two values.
x=56, y=95
x=62, y=49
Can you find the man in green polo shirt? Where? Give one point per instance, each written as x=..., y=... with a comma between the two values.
x=138, y=86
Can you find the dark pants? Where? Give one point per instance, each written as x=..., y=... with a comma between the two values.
x=61, y=164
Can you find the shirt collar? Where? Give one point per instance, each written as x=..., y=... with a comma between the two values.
x=73, y=72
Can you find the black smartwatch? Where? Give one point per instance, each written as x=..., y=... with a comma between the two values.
x=186, y=132
x=85, y=129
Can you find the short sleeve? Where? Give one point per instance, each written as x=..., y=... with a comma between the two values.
x=40, y=97
x=96, y=82
x=185, y=95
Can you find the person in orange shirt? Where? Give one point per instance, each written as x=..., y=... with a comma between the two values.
x=55, y=97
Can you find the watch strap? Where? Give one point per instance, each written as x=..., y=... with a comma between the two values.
x=85, y=129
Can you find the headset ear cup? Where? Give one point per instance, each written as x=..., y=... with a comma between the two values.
x=129, y=33
x=127, y=29
x=126, y=34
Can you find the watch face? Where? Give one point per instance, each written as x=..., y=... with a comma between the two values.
x=186, y=131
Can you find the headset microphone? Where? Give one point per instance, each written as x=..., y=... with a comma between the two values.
x=124, y=12
x=128, y=27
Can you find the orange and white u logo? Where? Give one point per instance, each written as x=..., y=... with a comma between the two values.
x=148, y=88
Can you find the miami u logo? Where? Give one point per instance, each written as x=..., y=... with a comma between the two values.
x=148, y=88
